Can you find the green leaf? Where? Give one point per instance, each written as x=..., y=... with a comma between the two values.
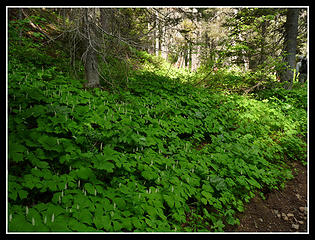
x=150, y=141
x=169, y=200
x=107, y=223
x=204, y=201
x=13, y=194
x=84, y=173
x=37, y=172
x=109, y=154
x=60, y=224
x=206, y=194
x=23, y=194
x=42, y=164
x=16, y=151
x=49, y=143
x=218, y=182
x=121, y=203
x=208, y=188
x=101, y=222
x=51, y=185
x=89, y=188
x=218, y=226
x=16, y=147
x=64, y=158
x=35, y=93
x=17, y=157
x=82, y=201
x=151, y=211
x=239, y=205
x=54, y=209
x=85, y=216
x=163, y=226
x=149, y=174
x=253, y=182
x=68, y=145
x=19, y=224
x=229, y=217
x=150, y=222
x=126, y=223
x=117, y=226
x=106, y=204
x=30, y=181
x=199, y=114
x=101, y=162
x=76, y=225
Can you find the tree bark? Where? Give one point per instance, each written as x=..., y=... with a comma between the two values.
x=90, y=55
x=263, y=43
x=291, y=30
x=190, y=56
x=20, y=31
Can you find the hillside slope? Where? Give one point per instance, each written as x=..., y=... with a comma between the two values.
x=158, y=155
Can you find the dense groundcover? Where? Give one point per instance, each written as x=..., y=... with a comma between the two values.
x=158, y=156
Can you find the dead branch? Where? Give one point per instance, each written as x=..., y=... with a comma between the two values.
x=36, y=27
x=246, y=91
x=203, y=78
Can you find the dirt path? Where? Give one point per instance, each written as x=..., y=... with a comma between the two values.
x=281, y=211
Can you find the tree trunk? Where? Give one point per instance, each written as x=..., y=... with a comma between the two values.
x=91, y=69
x=154, y=35
x=20, y=31
x=90, y=55
x=190, y=56
x=159, y=38
x=291, y=30
x=263, y=43
x=103, y=17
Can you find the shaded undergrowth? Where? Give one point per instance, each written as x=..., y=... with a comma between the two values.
x=158, y=155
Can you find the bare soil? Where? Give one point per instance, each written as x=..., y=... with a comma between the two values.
x=282, y=211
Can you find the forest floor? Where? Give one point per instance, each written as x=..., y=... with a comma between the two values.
x=282, y=211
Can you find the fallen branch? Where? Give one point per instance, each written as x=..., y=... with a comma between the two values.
x=203, y=79
x=252, y=88
x=37, y=27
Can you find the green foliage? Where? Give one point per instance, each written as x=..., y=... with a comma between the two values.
x=235, y=79
x=160, y=67
x=293, y=104
x=160, y=156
